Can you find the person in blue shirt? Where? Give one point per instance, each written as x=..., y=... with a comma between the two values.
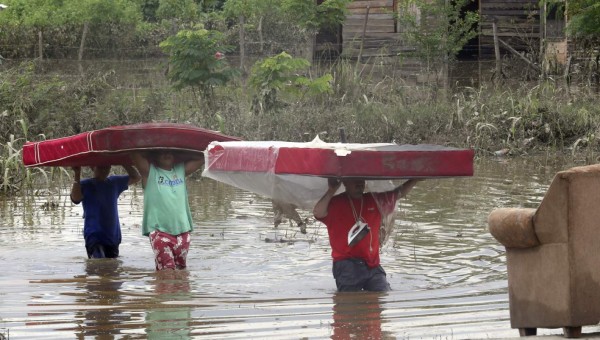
x=98, y=196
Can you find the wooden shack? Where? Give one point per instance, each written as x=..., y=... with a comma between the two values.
x=517, y=24
x=526, y=28
x=371, y=30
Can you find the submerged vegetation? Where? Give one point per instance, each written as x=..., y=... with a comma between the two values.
x=241, y=70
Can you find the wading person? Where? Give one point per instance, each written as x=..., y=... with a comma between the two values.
x=167, y=217
x=98, y=196
x=353, y=219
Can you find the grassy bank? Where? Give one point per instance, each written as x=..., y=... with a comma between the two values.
x=519, y=118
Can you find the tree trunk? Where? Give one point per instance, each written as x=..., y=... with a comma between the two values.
x=260, y=35
x=242, y=43
x=543, y=41
x=81, y=47
x=41, y=45
x=82, y=44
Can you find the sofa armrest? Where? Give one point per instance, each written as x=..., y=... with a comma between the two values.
x=513, y=227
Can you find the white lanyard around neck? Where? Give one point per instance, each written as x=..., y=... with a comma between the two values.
x=357, y=217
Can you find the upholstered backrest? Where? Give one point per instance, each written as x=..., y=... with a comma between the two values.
x=570, y=213
x=550, y=220
x=584, y=241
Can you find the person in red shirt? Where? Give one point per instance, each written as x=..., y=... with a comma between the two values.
x=356, y=267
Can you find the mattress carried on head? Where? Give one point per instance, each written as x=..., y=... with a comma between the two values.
x=110, y=146
x=297, y=173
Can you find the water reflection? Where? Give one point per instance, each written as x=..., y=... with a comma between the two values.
x=358, y=315
x=166, y=319
x=101, y=285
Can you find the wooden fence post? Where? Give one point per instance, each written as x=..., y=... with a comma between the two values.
x=497, y=51
x=364, y=33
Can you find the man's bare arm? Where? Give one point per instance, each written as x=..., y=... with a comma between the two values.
x=403, y=189
x=321, y=209
x=134, y=175
x=193, y=165
x=142, y=164
x=76, y=193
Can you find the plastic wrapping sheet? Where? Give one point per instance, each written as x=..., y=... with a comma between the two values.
x=297, y=173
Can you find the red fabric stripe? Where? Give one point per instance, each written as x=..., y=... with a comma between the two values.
x=429, y=162
x=324, y=162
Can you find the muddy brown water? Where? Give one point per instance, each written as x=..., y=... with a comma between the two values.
x=447, y=272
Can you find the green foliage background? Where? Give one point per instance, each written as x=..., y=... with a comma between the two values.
x=283, y=96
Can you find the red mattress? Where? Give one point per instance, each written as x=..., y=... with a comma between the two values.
x=376, y=161
x=110, y=146
x=296, y=173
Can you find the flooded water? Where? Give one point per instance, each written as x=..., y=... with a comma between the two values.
x=447, y=272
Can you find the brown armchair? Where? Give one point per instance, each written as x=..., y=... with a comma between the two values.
x=553, y=255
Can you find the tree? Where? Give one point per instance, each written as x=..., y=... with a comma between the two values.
x=249, y=11
x=36, y=14
x=196, y=61
x=305, y=15
x=278, y=74
x=177, y=10
x=45, y=14
x=313, y=16
x=210, y=5
x=96, y=12
x=583, y=26
x=584, y=20
x=438, y=29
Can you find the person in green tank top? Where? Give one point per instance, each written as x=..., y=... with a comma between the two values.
x=167, y=218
